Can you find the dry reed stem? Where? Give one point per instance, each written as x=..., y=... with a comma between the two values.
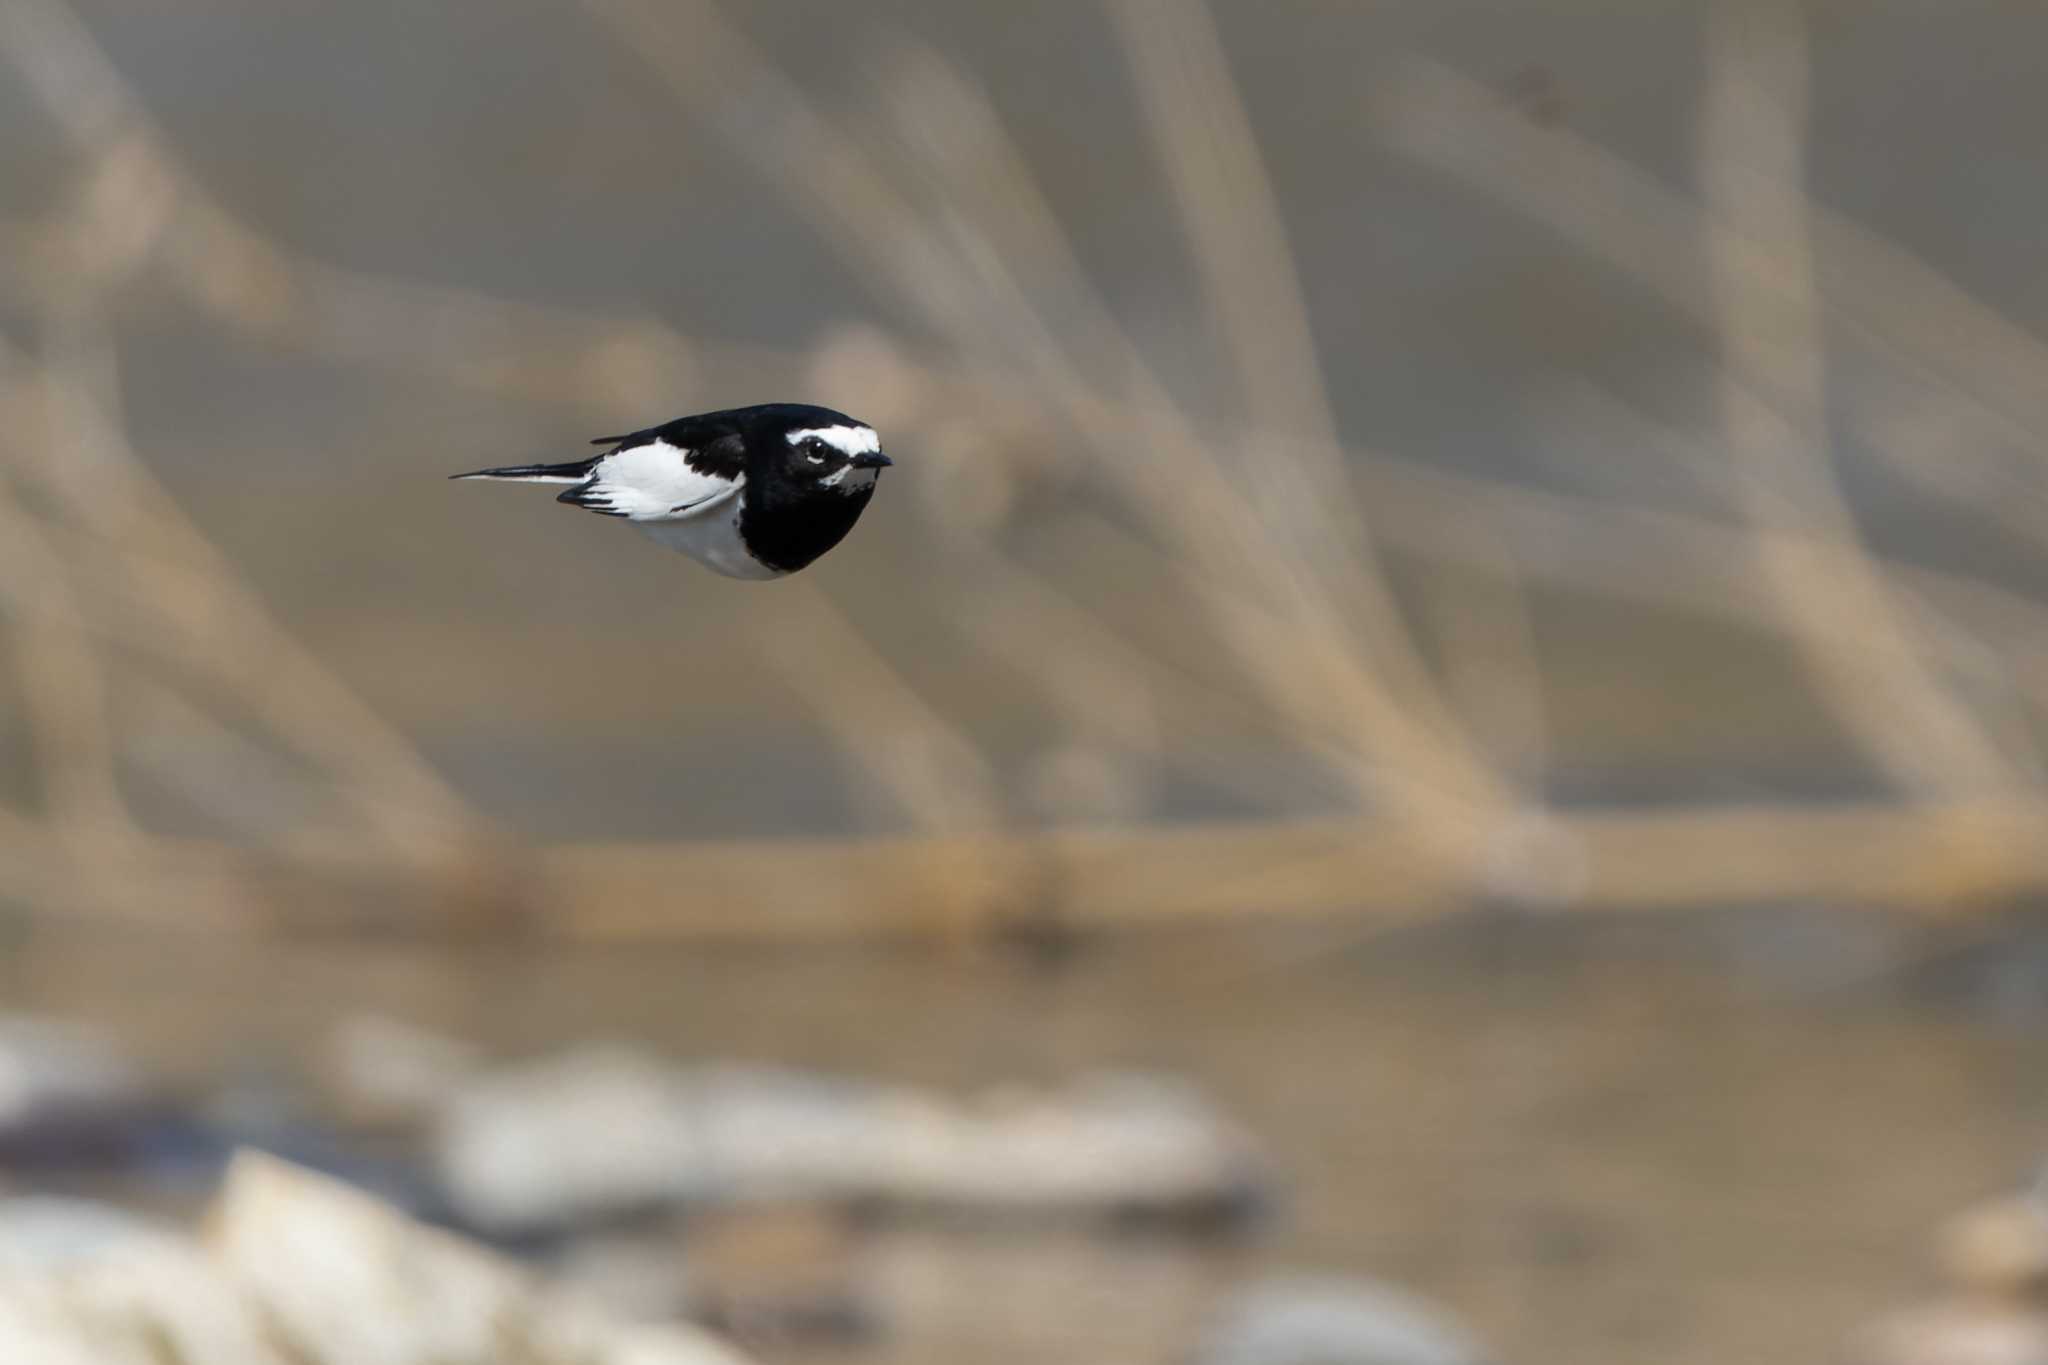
x=1751, y=142
x=1980, y=373
x=64, y=691
x=1932, y=859
x=1574, y=553
x=1202, y=134
x=128, y=210
x=1652, y=234
x=67, y=695
x=1674, y=560
x=1594, y=545
x=932, y=771
x=1228, y=206
x=1186, y=485
x=983, y=262
x=1607, y=547
x=184, y=601
x=707, y=62
x=1486, y=639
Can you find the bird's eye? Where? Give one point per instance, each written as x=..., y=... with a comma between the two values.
x=814, y=450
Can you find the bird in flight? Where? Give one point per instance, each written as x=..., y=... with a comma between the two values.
x=750, y=492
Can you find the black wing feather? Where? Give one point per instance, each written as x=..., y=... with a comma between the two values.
x=575, y=469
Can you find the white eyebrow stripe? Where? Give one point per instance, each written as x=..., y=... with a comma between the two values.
x=850, y=440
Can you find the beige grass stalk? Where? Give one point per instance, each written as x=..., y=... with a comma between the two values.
x=976, y=298
x=1758, y=287
x=1751, y=146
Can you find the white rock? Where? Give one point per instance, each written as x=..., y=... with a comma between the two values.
x=597, y=1130
x=1956, y=1331
x=607, y=1130
x=1319, y=1321
x=42, y=1233
x=357, y=1281
x=300, y=1268
x=140, y=1302
x=53, y=1069
x=386, y=1071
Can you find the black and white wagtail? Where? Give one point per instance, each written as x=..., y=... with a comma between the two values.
x=751, y=492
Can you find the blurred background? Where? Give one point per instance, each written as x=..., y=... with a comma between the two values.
x=1437, y=733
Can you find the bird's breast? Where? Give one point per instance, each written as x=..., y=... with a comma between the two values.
x=713, y=539
x=789, y=532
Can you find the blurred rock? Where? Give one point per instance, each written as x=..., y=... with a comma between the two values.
x=72, y=1104
x=1316, y=1321
x=1959, y=1331
x=606, y=1131
x=297, y=1268
x=386, y=1073
x=1995, y=1258
x=595, y=1131
x=67, y=1094
x=179, y=1151
x=41, y=1233
x=51, y=1068
x=355, y=1280
x=140, y=1303
x=1998, y=1248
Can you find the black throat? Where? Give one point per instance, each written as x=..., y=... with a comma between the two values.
x=786, y=526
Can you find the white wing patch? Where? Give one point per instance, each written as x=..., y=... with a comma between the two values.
x=653, y=482
x=849, y=440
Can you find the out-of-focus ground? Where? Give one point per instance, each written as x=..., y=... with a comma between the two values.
x=1463, y=579
x=1590, y=1154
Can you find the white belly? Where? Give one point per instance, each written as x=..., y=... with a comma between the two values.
x=711, y=536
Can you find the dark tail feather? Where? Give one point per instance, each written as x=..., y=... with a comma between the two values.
x=576, y=471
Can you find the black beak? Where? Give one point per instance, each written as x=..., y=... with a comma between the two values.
x=874, y=459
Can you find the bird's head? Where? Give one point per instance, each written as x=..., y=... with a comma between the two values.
x=827, y=453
